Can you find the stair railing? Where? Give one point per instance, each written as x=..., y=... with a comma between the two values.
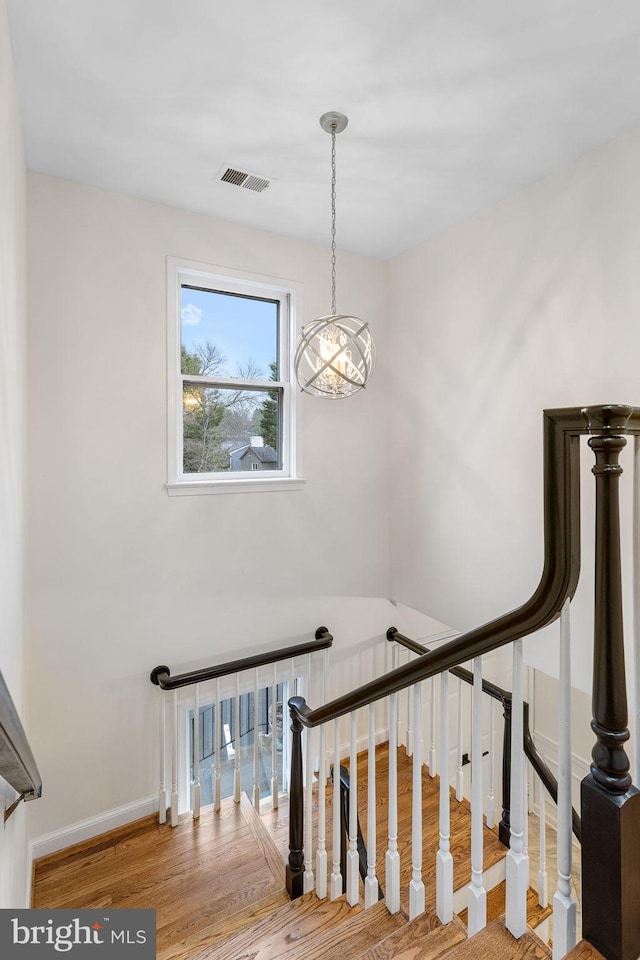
x=17, y=764
x=546, y=778
x=291, y=665
x=531, y=752
x=610, y=804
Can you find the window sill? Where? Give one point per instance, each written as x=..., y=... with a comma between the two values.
x=187, y=488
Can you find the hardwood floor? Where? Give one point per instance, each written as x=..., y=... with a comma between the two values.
x=209, y=879
x=197, y=877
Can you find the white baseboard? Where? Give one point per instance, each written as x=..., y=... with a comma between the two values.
x=92, y=827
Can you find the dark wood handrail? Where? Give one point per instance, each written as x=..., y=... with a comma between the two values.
x=17, y=764
x=562, y=429
x=161, y=676
x=491, y=689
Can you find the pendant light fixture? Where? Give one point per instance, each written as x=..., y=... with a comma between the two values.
x=334, y=355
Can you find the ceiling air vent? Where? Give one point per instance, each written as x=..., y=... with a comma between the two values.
x=241, y=178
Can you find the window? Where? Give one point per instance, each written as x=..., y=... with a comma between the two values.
x=222, y=750
x=232, y=420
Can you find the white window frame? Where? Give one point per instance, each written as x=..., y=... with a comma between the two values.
x=289, y=295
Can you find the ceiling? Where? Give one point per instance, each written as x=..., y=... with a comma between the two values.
x=452, y=104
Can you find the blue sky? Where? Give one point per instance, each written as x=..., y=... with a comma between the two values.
x=241, y=328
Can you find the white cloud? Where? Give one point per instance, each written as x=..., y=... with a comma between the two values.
x=191, y=315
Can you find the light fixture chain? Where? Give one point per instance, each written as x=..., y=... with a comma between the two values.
x=334, y=355
x=333, y=218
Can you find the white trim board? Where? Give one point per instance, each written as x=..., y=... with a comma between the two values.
x=92, y=827
x=579, y=769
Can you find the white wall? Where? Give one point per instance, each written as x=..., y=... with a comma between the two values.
x=533, y=304
x=121, y=576
x=13, y=839
x=530, y=305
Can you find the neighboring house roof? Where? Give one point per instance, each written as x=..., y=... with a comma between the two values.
x=264, y=454
x=234, y=446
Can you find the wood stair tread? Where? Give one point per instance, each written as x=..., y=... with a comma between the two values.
x=496, y=905
x=280, y=934
x=222, y=929
x=496, y=941
x=357, y=935
x=424, y=938
x=584, y=951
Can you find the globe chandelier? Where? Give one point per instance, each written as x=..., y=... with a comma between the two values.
x=334, y=355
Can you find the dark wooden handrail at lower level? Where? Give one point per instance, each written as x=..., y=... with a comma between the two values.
x=161, y=676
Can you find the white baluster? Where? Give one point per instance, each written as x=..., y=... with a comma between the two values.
x=353, y=860
x=392, y=858
x=492, y=766
x=174, y=762
x=543, y=894
x=162, y=796
x=335, y=888
x=321, y=852
x=525, y=797
x=432, y=741
x=324, y=766
x=292, y=693
x=444, y=860
x=274, y=740
x=256, y=743
x=409, y=736
x=459, y=770
x=308, y=879
x=477, y=906
x=371, y=881
x=564, y=906
x=396, y=663
x=196, y=754
x=416, y=887
x=636, y=607
x=517, y=865
x=216, y=755
x=236, y=771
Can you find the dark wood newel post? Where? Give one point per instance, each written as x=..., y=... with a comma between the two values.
x=610, y=804
x=504, y=827
x=610, y=764
x=295, y=865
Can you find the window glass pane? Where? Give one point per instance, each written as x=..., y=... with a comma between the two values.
x=220, y=749
x=227, y=430
x=223, y=335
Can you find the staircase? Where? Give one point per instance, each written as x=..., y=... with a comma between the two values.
x=312, y=929
x=217, y=884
